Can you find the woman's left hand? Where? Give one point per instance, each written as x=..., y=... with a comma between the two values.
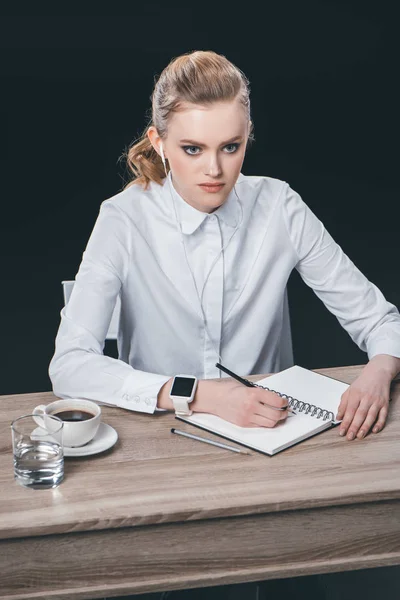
x=365, y=403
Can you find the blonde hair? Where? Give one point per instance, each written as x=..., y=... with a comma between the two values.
x=199, y=77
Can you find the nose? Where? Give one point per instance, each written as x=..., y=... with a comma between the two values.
x=213, y=167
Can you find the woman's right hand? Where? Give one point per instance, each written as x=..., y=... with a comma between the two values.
x=239, y=404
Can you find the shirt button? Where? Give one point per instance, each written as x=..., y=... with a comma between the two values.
x=148, y=401
x=137, y=398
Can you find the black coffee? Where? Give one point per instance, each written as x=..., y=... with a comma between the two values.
x=75, y=414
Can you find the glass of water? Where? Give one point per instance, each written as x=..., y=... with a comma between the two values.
x=38, y=452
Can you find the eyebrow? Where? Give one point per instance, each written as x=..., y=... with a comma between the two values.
x=237, y=137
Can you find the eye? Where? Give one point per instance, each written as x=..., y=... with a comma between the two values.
x=234, y=148
x=187, y=148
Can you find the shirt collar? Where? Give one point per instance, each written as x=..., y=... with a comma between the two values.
x=191, y=218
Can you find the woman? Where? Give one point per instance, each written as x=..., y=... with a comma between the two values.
x=200, y=256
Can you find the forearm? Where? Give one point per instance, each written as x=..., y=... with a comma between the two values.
x=204, y=400
x=385, y=364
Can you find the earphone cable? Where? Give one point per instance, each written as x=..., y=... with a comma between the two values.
x=200, y=297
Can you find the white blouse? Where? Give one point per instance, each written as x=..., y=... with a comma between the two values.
x=135, y=251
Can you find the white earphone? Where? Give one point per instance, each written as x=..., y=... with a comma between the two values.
x=163, y=157
x=200, y=297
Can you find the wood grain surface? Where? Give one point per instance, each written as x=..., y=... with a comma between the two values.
x=123, y=521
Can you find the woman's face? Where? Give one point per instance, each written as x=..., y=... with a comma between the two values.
x=206, y=144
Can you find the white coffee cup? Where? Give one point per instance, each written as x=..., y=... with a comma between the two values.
x=81, y=419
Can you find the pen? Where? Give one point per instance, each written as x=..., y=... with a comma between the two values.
x=248, y=383
x=207, y=441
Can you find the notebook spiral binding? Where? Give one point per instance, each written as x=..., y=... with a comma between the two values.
x=306, y=407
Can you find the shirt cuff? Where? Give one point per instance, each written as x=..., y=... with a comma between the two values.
x=384, y=347
x=386, y=340
x=140, y=391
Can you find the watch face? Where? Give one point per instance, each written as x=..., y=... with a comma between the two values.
x=182, y=386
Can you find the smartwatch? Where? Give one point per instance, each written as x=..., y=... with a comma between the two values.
x=182, y=393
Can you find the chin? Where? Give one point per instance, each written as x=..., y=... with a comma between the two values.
x=213, y=205
x=210, y=202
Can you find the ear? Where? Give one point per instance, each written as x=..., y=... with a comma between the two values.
x=154, y=138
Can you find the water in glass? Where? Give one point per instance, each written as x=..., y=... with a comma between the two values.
x=39, y=464
x=38, y=453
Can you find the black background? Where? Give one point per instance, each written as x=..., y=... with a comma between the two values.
x=76, y=91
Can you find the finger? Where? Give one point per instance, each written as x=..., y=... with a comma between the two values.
x=383, y=413
x=251, y=407
x=342, y=406
x=359, y=416
x=368, y=422
x=270, y=413
x=348, y=417
x=271, y=399
x=261, y=421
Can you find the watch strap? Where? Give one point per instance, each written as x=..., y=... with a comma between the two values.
x=181, y=406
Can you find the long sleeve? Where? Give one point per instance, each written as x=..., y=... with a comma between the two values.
x=360, y=307
x=78, y=368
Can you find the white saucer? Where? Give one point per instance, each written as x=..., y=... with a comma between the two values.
x=105, y=437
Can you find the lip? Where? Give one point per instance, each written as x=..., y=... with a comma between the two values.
x=211, y=188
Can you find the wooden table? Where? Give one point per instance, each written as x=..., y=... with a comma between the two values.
x=161, y=512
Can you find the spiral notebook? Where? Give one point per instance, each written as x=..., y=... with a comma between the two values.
x=315, y=399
